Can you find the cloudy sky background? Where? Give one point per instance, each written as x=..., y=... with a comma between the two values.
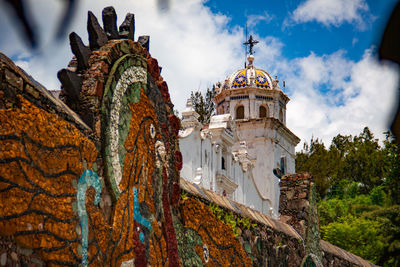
x=324, y=50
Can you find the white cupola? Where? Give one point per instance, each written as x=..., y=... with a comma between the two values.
x=251, y=93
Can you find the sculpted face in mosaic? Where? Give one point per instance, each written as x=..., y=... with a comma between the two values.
x=56, y=179
x=136, y=147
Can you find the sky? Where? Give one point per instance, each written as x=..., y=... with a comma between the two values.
x=324, y=50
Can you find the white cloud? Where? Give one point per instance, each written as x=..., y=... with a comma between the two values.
x=332, y=12
x=195, y=47
x=253, y=20
x=359, y=94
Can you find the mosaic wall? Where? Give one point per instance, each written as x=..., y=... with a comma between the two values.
x=109, y=196
x=214, y=241
x=94, y=180
x=263, y=241
x=41, y=158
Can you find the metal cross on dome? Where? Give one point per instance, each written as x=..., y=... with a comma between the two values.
x=251, y=42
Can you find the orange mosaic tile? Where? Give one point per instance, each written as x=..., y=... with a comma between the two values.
x=41, y=157
x=224, y=248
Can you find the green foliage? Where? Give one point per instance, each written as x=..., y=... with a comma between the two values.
x=315, y=158
x=344, y=220
x=390, y=221
x=184, y=195
x=358, y=159
x=232, y=219
x=216, y=210
x=332, y=209
x=377, y=195
x=227, y=217
x=372, y=233
x=204, y=104
x=360, y=236
x=358, y=182
x=392, y=160
x=364, y=161
x=245, y=223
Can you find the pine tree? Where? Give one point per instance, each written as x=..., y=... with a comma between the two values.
x=204, y=104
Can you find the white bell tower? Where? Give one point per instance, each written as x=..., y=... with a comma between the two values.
x=258, y=105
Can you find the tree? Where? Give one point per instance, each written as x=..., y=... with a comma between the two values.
x=392, y=160
x=364, y=162
x=390, y=220
x=204, y=104
x=358, y=235
x=359, y=186
x=349, y=159
x=320, y=162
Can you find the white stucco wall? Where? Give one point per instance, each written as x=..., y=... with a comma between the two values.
x=257, y=147
x=206, y=153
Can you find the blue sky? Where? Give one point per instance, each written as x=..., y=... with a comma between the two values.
x=302, y=35
x=324, y=50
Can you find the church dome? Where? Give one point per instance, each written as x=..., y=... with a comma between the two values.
x=249, y=77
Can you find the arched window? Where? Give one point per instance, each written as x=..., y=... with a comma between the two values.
x=223, y=163
x=283, y=165
x=281, y=115
x=262, y=112
x=240, y=113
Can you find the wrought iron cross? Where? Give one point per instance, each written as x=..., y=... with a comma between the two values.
x=251, y=42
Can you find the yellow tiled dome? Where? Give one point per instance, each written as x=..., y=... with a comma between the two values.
x=249, y=77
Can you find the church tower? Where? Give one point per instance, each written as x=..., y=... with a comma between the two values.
x=258, y=106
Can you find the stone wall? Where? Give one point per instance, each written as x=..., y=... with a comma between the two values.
x=14, y=81
x=298, y=208
x=267, y=241
x=294, y=201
